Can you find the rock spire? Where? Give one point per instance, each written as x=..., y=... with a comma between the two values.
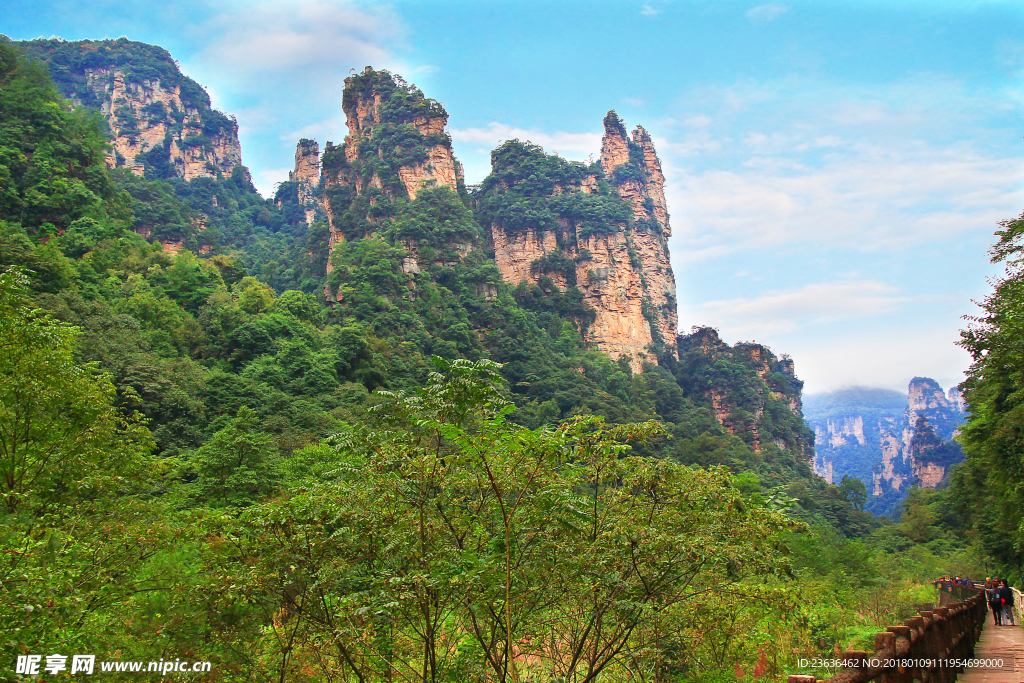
x=624, y=274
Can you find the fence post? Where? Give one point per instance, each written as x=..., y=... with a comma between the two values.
x=944, y=636
x=902, y=635
x=928, y=644
x=885, y=643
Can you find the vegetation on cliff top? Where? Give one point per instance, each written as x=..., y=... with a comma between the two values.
x=51, y=166
x=635, y=169
x=69, y=61
x=390, y=140
x=530, y=190
x=402, y=103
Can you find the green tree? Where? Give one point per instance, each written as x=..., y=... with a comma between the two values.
x=70, y=462
x=237, y=467
x=253, y=296
x=451, y=544
x=918, y=520
x=854, y=490
x=986, y=485
x=60, y=433
x=51, y=159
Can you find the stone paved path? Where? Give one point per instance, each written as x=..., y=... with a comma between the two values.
x=998, y=642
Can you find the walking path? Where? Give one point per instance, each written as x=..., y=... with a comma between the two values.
x=998, y=642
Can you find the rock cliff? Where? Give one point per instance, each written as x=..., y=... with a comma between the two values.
x=571, y=231
x=926, y=398
x=144, y=117
x=753, y=393
x=840, y=432
x=161, y=122
x=383, y=104
x=306, y=177
x=956, y=400
x=396, y=146
x=635, y=170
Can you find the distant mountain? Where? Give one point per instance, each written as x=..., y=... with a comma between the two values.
x=888, y=440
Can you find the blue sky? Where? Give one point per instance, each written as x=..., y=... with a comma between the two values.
x=835, y=169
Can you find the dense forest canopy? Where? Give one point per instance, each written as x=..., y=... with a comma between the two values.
x=426, y=479
x=987, y=487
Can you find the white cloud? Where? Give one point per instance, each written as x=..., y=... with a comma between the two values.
x=908, y=104
x=648, y=11
x=565, y=143
x=268, y=178
x=879, y=357
x=753, y=165
x=867, y=199
x=696, y=138
x=792, y=310
x=766, y=12
x=324, y=129
x=274, y=37
x=869, y=192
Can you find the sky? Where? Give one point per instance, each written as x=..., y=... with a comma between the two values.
x=835, y=171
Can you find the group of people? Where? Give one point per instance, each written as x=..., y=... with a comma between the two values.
x=1000, y=601
x=997, y=592
x=946, y=580
x=949, y=581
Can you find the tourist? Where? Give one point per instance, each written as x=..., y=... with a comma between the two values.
x=995, y=603
x=1006, y=597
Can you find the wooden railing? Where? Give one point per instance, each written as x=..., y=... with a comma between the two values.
x=925, y=649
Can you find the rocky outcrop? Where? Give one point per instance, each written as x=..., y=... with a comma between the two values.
x=161, y=122
x=397, y=145
x=929, y=474
x=144, y=116
x=838, y=432
x=827, y=471
x=956, y=399
x=749, y=382
x=893, y=466
x=945, y=413
x=925, y=396
x=619, y=153
x=625, y=274
x=366, y=111
x=439, y=169
x=645, y=248
x=306, y=176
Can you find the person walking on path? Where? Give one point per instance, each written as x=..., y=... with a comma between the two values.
x=995, y=603
x=1006, y=597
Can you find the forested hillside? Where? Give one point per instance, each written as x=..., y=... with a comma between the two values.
x=431, y=475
